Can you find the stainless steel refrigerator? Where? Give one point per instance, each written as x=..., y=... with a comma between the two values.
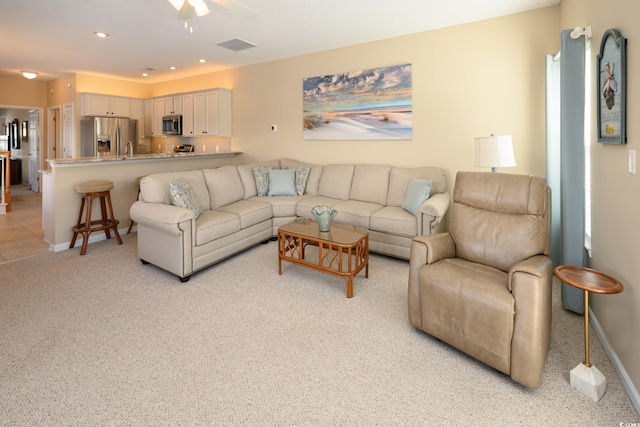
x=108, y=136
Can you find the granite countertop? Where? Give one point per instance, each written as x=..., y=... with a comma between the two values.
x=151, y=156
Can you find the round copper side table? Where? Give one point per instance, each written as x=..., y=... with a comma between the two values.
x=585, y=377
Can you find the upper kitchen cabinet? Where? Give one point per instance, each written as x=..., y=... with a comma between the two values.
x=212, y=113
x=187, y=114
x=93, y=104
x=173, y=105
x=153, y=112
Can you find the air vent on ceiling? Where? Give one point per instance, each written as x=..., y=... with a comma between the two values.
x=236, y=44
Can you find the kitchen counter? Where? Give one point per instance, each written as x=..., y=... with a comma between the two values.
x=61, y=202
x=137, y=157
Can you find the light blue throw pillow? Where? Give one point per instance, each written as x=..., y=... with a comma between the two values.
x=282, y=182
x=417, y=193
x=261, y=174
x=182, y=195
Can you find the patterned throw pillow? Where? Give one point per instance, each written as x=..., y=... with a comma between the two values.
x=182, y=195
x=302, y=174
x=261, y=173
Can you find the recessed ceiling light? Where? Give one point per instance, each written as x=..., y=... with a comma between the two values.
x=145, y=74
x=171, y=67
x=100, y=34
x=202, y=61
x=29, y=74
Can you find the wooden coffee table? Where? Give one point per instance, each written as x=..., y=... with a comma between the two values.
x=343, y=251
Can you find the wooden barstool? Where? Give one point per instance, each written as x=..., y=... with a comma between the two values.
x=91, y=190
x=138, y=181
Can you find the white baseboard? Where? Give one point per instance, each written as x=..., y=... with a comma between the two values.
x=94, y=237
x=634, y=396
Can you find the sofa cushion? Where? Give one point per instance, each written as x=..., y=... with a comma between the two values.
x=154, y=188
x=281, y=206
x=250, y=211
x=370, y=184
x=224, y=185
x=313, y=181
x=355, y=212
x=417, y=193
x=212, y=225
x=183, y=196
x=394, y=220
x=336, y=181
x=282, y=182
x=248, y=178
x=399, y=182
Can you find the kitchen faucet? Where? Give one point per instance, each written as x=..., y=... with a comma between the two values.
x=128, y=151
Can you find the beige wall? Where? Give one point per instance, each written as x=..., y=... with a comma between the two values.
x=615, y=193
x=20, y=92
x=470, y=80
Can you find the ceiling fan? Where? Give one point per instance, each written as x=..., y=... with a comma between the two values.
x=187, y=8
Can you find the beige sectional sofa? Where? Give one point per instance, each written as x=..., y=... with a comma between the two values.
x=233, y=216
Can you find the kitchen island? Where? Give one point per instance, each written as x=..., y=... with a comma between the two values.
x=61, y=202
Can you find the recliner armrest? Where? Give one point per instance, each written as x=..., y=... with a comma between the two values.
x=432, y=248
x=530, y=283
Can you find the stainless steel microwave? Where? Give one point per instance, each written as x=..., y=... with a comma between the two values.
x=172, y=125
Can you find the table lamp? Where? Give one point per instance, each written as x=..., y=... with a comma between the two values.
x=494, y=152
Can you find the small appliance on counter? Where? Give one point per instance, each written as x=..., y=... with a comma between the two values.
x=183, y=148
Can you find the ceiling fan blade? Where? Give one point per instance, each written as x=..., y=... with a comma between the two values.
x=237, y=7
x=200, y=7
x=177, y=3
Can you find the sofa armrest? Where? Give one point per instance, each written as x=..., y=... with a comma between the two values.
x=531, y=285
x=160, y=216
x=433, y=210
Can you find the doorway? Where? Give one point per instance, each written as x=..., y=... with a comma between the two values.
x=30, y=142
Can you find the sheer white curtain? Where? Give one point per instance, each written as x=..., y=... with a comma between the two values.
x=566, y=158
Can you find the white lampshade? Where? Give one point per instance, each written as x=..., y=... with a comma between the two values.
x=494, y=152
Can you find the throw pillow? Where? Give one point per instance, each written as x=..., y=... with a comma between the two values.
x=302, y=174
x=182, y=195
x=261, y=174
x=417, y=193
x=282, y=182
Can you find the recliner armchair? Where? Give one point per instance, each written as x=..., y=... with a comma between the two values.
x=485, y=286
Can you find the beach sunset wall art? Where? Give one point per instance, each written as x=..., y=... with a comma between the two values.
x=359, y=105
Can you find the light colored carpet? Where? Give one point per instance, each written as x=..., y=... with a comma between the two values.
x=103, y=340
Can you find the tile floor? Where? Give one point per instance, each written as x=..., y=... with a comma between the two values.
x=21, y=233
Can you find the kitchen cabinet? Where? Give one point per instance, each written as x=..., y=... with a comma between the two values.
x=187, y=115
x=137, y=113
x=158, y=113
x=173, y=105
x=153, y=112
x=93, y=104
x=148, y=117
x=212, y=113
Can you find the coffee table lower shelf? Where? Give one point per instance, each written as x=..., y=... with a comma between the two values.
x=344, y=258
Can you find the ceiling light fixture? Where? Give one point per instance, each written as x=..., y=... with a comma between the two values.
x=202, y=61
x=172, y=68
x=101, y=35
x=187, y=8
x=29, y=74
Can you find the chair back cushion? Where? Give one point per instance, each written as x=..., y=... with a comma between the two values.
x=500, y=219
